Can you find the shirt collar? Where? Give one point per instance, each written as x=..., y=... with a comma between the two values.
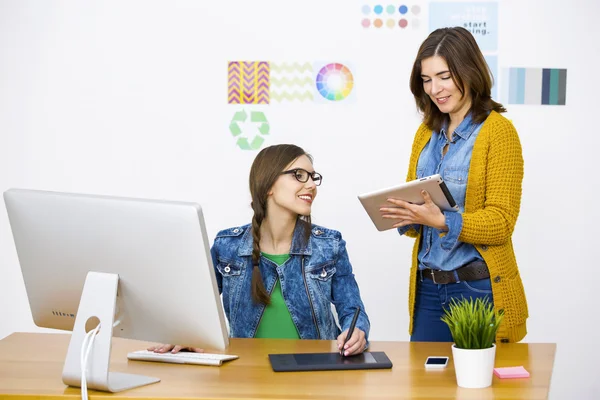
x=465, y=129
x=300, y=246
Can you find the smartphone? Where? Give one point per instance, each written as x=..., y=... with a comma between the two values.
x=436, y=362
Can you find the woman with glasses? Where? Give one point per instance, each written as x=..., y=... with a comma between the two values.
x=280, y=274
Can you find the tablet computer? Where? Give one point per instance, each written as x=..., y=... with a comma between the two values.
x=328, y=361
x=411, y=192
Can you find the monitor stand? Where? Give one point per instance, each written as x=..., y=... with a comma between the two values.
x=98, y=299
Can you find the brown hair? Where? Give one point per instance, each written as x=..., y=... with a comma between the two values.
x=266, y=168
x=468, y=68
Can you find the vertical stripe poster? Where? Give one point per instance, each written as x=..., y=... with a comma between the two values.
x=541, y=86
x=248, y=82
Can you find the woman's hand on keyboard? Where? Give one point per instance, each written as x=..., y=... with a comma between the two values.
x=164, y=348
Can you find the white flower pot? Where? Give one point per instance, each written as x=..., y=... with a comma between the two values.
x=474, y=368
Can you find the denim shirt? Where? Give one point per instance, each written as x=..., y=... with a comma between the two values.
x=441, y=251
x=317, y=274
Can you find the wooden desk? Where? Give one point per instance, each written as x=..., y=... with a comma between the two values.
x=31, y=367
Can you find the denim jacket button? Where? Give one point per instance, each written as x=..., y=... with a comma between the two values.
x=323, y=273
x=227, y=269
x=318, y=232
x=236, y=230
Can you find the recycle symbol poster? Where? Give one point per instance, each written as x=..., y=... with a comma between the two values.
x=249, y=136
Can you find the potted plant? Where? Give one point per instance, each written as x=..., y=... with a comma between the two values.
x=473, y=324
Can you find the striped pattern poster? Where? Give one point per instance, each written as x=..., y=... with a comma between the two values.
x=541, y=86
x=248, y=82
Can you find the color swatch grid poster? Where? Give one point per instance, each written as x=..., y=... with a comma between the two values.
x=392, y=16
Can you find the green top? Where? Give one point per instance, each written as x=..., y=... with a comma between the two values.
x=276, y=321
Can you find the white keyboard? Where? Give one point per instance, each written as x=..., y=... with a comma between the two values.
x=183, y=357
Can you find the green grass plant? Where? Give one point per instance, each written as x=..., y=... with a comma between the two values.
x=473, y=323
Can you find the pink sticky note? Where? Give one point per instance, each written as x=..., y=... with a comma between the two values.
x=511, y=372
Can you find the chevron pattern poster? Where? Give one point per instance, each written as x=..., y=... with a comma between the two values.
x=248, y=82
x=541, y=86
x=292, y=82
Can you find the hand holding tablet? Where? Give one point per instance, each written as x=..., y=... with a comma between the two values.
x=410, y=192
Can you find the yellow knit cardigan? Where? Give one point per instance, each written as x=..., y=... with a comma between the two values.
x=491, y=209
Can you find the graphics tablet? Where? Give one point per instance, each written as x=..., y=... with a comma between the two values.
x=411, y=192
x=328, y=361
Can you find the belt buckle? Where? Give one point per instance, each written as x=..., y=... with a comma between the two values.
x=433, y=277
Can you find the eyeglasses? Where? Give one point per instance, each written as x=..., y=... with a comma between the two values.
x=302, y=175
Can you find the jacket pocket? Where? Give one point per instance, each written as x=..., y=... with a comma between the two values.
x=516, y=300
x=322, y=277
x=456, y=175
x=323, y=273
x=232, y=275
x=228, y=268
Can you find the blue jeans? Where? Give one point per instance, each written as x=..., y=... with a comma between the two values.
x=431, y=300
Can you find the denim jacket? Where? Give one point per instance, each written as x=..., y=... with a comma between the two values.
x=316, y=275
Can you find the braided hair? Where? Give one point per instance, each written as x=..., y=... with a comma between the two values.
x=265, y=170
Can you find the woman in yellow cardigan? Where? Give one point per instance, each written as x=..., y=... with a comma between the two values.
x=463, y=138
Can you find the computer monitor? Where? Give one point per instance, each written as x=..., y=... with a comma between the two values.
x=75, y=250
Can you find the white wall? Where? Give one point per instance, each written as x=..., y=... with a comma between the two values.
x=129, y=98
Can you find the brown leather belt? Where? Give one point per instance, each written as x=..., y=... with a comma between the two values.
x=471, y=272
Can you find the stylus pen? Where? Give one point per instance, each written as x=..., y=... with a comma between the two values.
x=351, y=329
